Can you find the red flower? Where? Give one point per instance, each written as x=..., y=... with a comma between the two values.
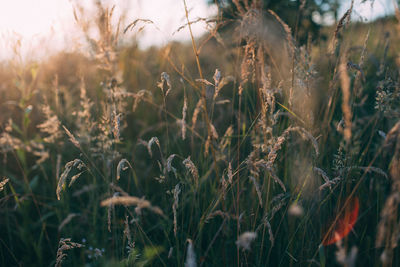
x=343, y=224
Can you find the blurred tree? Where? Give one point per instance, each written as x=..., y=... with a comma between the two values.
x=304, y=17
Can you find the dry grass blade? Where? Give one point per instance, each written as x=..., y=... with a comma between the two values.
x=277, y=180
x=230, y=175
x=214, y=133
x=278, y=201
x=224, y=187
x=67, y=220
x=165, y=84
x=177, y=191
x=340, y=25
x=127, y=231
x=140, y=203
x=74, y=178
x=58, y=166
x=72, y=138
x=122, y=167
x=345, y=85
x=322, y=173
x=257, y=187
x=272, y=155
x=220, y=213
x=169, y=164
x=64, y=245
x=183, y=121
x=153, y=140
x=330, y=183
x=77, y=163
x=3, y=183
x=118, y=189
x=136, y=21
x=84, y=189
x=388, y=227
x=192, y=22
x=369, y=169
x=196, y=112
x=204, y=81
x=239, y=7
x=203, y=88
x=139, y=96
x=217, y=77
x=288, y=31
x=116, y=123
x=51, y=126
x=397, y=14
x=271, y=235
x=193, y=170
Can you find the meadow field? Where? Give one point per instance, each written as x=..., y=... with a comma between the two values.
x=262, y=143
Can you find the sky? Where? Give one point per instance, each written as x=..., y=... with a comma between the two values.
x=48, y=25
x=370, y=9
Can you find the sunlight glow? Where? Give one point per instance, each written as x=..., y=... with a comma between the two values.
x=44, y=25
x=49, y=24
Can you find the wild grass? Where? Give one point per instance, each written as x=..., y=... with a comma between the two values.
x=245, y=147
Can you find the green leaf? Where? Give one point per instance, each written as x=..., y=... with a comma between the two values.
x=150, y=253
x=21, y=156
x=34, y=182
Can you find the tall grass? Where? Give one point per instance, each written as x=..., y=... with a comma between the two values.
x=245, y=148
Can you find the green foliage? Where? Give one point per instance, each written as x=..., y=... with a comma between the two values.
x=299, y=15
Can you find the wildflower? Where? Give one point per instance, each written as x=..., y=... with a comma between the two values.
x=295, y=210
x=244, y=241
x=342, y=225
